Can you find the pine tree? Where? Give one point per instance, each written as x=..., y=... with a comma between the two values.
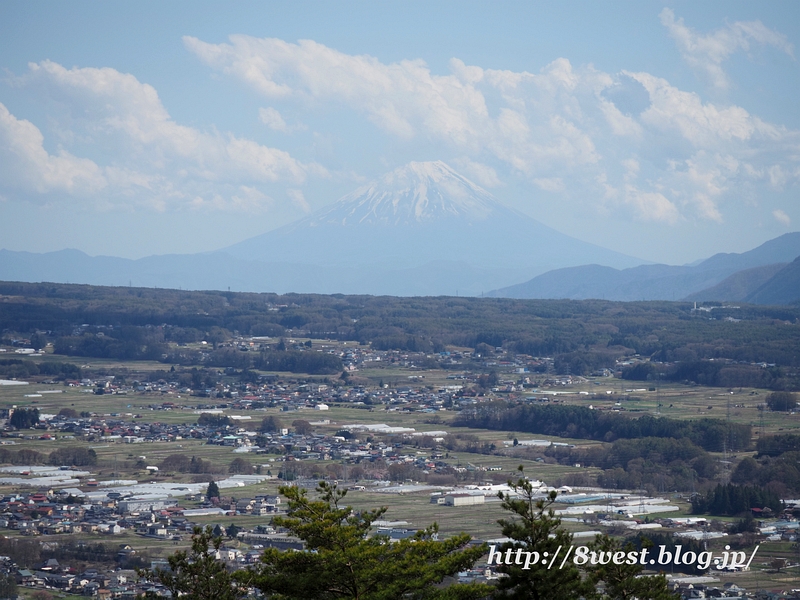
x=623, y=581
x=342, y=561
x=232, y=530
x=24, y=418
x=8, y=586
x=197, y=574
x=535, y=528
x=212, y=491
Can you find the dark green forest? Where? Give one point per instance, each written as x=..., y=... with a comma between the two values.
x=720, y=347
x=732, y=500
x=657, y=453
x=583, y=423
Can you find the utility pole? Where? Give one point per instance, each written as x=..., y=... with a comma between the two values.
x=728, y=443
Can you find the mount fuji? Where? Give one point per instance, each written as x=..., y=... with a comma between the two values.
x=422, y=229
x=420, y=224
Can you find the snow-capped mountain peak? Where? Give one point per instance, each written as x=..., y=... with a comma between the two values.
x=421, y=222
x=416, y=193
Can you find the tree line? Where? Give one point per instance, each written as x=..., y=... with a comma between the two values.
x=30, y=552
x=582, y=335
x=76, y=457
x=654, y=463
x=716, y=373
x=135, y=343
x=15, y=368
x=734, y=500
x=579, y=422
x=775, y=467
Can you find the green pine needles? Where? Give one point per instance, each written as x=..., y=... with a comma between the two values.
x=342, y=560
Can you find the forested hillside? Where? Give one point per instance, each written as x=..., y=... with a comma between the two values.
x=144, y=323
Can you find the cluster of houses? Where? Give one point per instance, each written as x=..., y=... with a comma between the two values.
x=354, y=357
x=50, y=512
x=51, y=575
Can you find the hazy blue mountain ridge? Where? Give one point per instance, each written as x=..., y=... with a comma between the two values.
x=739, y=286
x=782, y=288
x=424, y=229
x=664, y=282
x=782, y=249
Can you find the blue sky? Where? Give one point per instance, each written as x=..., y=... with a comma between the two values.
x=665, y=130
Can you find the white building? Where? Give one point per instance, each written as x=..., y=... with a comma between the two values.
x=463, y=499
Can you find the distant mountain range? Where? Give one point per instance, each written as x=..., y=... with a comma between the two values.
x=768, y=274
x=422, y=229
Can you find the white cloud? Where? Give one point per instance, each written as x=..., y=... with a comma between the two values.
x=539, y=125
x=121, y=103
x=706, y=53
x=778, y=177
x=482, y=174
x=550, y=184
x=703, y=125
x=171, y=162
x=274, y=120
x=632, y=168
x=781, y=217
x=298, y=199
x=26, y=165
x=658, y=153
x=250, y=199
x=704, y=179
x=651, y=206
x=559, y=128
x=621, y=124
x=710, y=150
x=647, y=205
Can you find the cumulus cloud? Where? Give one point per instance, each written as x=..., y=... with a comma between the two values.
x=709, y=150
x=169, y=160
x=647, y=205
x=482, y=174
x=706, y=53
x=630, y=141
x=561, y=127
x=407, y=100
x=702, y=124
x=781, y=217
x=650, y=206
x=621, y=124
x=299, y=200
x=121, y=103
x=26, y=165
x=273, y=119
